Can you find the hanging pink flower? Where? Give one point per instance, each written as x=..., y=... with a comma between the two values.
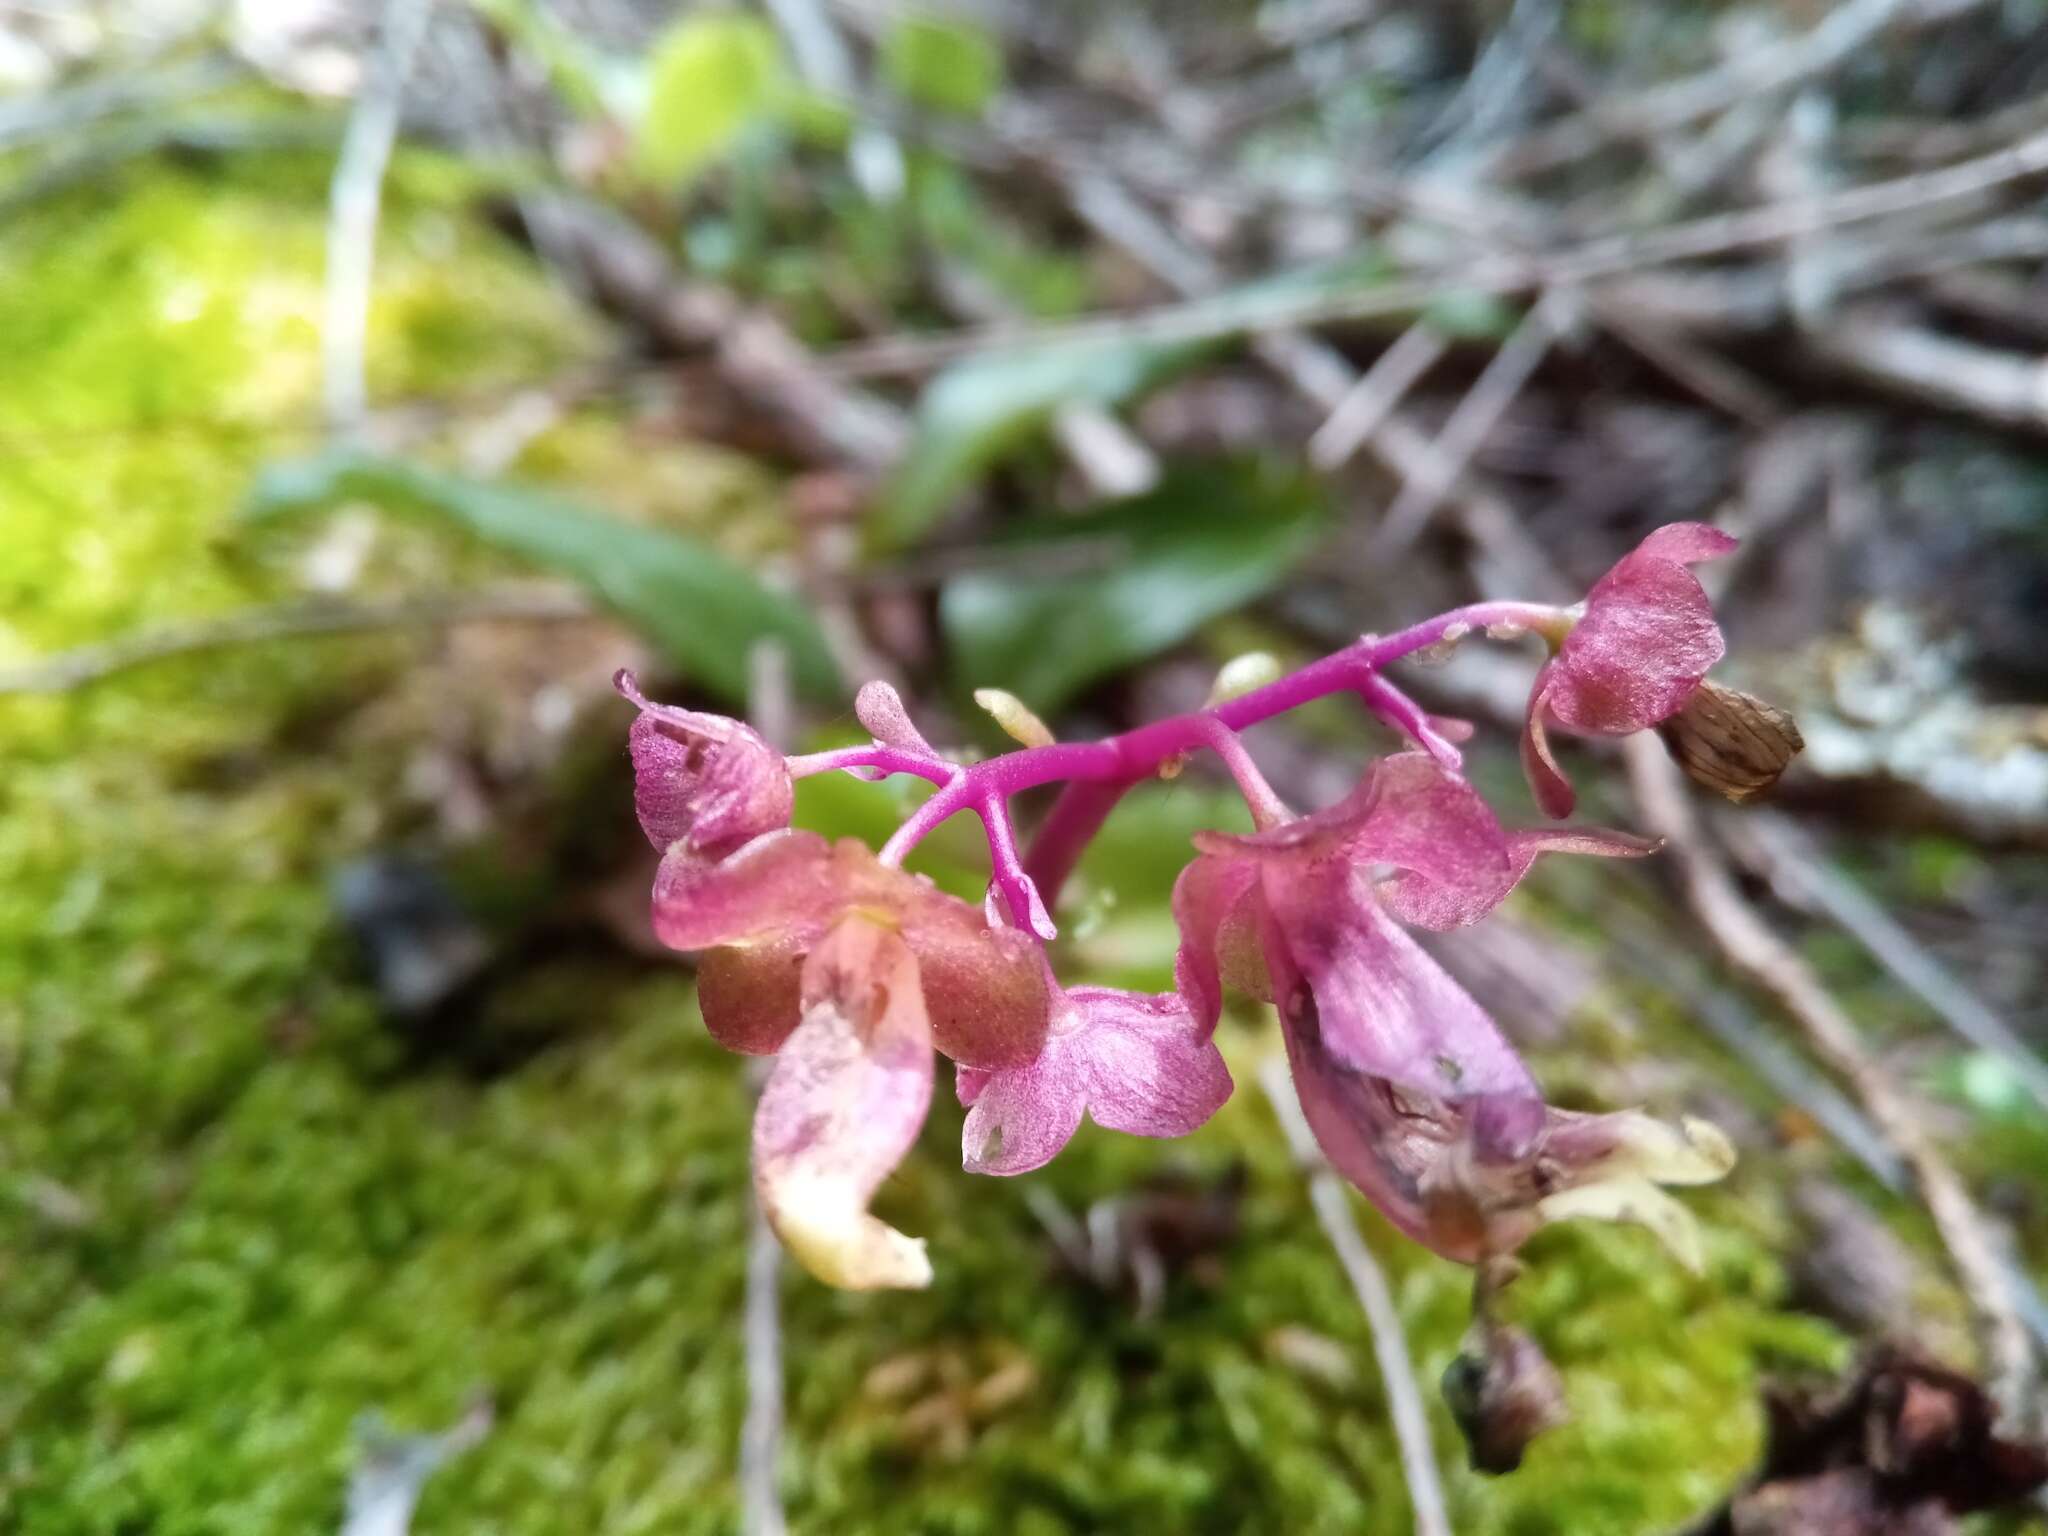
x=1633, y=658
x=1412, y=1091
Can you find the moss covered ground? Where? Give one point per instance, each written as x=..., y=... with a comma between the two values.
x=235, y=1213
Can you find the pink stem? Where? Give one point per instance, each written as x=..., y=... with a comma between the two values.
x=1068, y=828
x=1027, y=910
x=1409, y=718
x=1134, y=755
x=1267, y=808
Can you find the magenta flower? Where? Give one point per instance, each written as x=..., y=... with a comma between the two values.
x=1633, y=658
x=1135, y=1063
x=1412, y=1091
x=703, y=780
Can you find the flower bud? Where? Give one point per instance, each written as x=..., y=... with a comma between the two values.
x=1504, y=1392
x=1731, y=742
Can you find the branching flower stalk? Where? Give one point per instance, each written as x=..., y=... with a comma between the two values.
x=854, y=973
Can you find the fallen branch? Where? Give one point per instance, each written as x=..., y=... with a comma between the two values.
x=1760, y=953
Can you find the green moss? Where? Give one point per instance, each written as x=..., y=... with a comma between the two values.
x=240, y=1210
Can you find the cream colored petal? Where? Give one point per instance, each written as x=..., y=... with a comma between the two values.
x=1631, y=1200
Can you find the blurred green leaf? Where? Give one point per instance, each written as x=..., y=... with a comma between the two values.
x=1071, y=599
x=704, y=611
x=978, y=410
x=708, y=77
x=946, y=64
x=1466, y=314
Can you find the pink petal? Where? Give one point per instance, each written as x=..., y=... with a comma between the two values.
x=1380, y=1005
x=1525, y=844
x=701, y=779
x=1688, y=543
x=1647, y=638
x=1209, y=905
x=779, y=884
x=880, y=709
x=985, y=987
x=1423, y=903
x=842, y=1107
x=751, y=997
x=1434, y=826
x=1137, y=1063
x=1553, y=791
x=1408, y=810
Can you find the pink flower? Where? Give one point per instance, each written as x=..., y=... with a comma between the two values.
x=703, y=780
x=1633, y=659
x=1136, y=1063
x=846, y=969
x=850, y=972
x=1412, y=1091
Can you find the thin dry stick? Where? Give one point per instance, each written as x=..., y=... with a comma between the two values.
x=1266, y=309
x=354, y=198
x=1504, y=377
x=1757, y=950
x=773, y=708
x=761, y=1433
x=287, y=621
x=1787, y=857
x=1317, y=371
x=1378, y=392
x=1369, y=1282
x=1659, y=110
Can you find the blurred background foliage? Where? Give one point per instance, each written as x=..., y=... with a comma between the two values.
x=653, y=382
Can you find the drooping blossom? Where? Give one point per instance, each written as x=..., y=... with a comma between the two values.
x=1134, y=1062
x=847, y=969
x=703, y=780
x=850, y=972
x=1412, y=1091
x=1633, y=658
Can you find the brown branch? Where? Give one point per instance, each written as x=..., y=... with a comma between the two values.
x=1653, y=113
x=1900, y=354
x=1759, y=952
x=1267, y=309
x=630, y=275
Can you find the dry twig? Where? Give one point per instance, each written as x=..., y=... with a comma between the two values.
x=1760, y=953
x=1802, y=874
x=1390, y=1347
x=355, y=196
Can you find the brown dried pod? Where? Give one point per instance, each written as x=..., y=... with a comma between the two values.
x=1731, y=742
x=1504, y=1392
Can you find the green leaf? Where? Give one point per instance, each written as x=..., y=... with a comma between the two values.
x=1071, y=599
x=947, y=65
x=710, y=76
x=979, y=410
x=705, y=612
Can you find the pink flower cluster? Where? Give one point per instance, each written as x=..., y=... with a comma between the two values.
x=854, y=974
